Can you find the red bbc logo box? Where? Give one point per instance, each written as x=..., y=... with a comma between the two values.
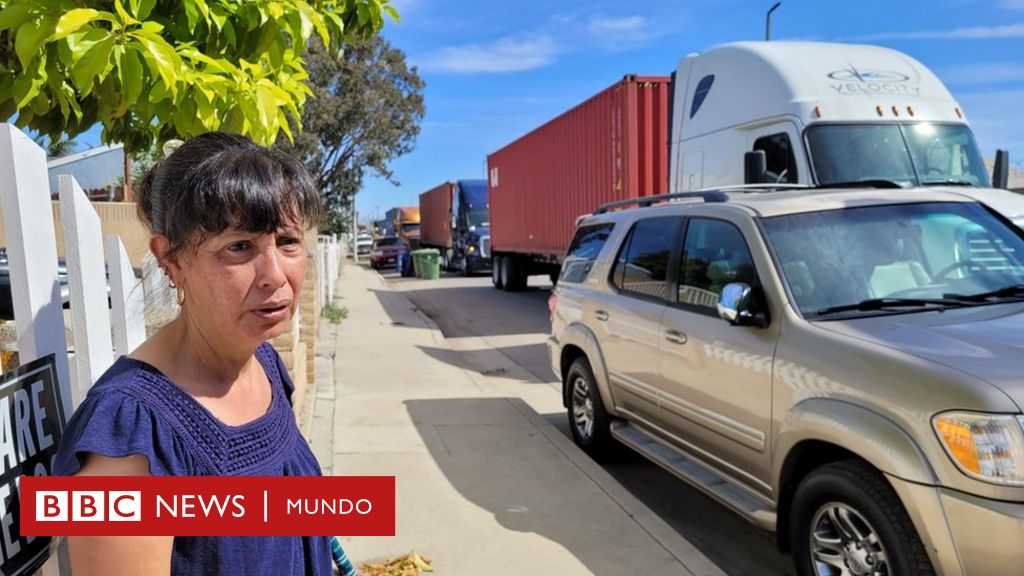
x=207, y=506
x=89, y=506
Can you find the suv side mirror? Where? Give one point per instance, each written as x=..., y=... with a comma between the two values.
x=737, y=306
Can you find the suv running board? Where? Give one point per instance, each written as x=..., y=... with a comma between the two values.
x=695, y=473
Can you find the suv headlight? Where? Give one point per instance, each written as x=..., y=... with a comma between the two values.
x=988, y=447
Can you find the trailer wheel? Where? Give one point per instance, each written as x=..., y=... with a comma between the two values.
x=496, y=267
x=515, y=279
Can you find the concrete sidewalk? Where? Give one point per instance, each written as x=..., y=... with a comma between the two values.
x=485, y=485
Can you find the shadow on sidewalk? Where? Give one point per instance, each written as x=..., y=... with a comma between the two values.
x=502, y=463
x=506, y=362
x=482, y=311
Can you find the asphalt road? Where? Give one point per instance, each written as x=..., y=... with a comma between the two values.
x=516, y=325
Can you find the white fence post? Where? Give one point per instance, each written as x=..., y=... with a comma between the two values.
x=83, y=247
x=35, y=288
x=126, y=299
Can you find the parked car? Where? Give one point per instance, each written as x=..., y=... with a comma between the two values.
x=364, y=243
x=6, y=299
x=385, y=251
x=840, y=367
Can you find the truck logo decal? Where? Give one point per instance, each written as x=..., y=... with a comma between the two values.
x=855, y=81
x=703, y=87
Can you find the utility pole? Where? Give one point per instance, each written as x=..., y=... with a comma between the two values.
x=768, y=22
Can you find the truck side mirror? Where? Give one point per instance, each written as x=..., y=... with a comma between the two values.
x=755, y=167
x=1001, y=170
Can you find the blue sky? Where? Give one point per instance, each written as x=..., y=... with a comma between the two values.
x=495, y=70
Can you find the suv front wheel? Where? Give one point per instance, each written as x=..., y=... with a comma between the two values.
x=848, y=521
x=588, y=419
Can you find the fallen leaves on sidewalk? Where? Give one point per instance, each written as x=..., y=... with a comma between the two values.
x=411, y=564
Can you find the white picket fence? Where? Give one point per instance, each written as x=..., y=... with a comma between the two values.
x=329, y=260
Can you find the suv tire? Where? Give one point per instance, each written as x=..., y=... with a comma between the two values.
x=856, y=518
x=588, y=419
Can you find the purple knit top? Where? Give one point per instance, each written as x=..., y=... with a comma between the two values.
x=135, y=409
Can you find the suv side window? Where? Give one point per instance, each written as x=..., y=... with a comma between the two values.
x=642, y=265
x=583, y=251
x=779, y=157
x=714, y=254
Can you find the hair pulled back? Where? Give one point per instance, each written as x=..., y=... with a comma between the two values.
x=217, y=181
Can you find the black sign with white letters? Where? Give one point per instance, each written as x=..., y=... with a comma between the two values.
x=31, y=421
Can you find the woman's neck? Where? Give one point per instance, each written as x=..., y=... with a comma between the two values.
x=203, y=358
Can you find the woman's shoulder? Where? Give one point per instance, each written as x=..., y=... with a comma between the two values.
x=274, y=366
x=120, y=416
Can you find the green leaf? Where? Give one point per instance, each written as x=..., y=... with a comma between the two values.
x=393, y=13
x=71, y=21
x=203, y=9
x=145, y=9
x=31, y=37
x=24, y=90
x=132, y=76
x=15, y=15
x=126, y=18
x=90, y=66
x=161, y=57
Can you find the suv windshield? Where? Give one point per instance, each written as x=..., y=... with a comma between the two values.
x=917, y=154
x=904, y=258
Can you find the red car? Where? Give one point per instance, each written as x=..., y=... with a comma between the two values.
x=385, y=252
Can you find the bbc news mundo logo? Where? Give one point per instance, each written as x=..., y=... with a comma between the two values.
x=207, y=506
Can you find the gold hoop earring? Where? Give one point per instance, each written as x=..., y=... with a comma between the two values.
x=170, y=282
x=180, y=294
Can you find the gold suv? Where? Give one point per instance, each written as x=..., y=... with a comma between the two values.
x=842, y=367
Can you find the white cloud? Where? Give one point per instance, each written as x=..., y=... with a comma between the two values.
x=505, y=55
x=620, y=33
x=627, y=25
x=971, y=33
x=984, y=73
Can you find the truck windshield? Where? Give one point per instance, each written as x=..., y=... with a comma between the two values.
x=896, y=258
x=918, y=154
x=477, y=217
x=409, y=228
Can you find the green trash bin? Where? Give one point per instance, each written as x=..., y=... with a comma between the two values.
x=430, y=260
x=417, y=262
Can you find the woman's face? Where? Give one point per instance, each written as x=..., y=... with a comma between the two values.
x=244, y=285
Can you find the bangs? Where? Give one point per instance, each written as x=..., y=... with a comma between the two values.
x=250, y=189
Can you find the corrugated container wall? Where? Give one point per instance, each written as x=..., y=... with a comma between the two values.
x=611, y=147
x=435, y=216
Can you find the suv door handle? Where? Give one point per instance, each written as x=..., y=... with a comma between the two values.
x=601, y=315
x=675, y=336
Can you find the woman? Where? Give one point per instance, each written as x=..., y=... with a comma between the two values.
x=207, y=395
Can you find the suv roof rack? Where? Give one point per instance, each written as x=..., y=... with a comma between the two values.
x=711, y=195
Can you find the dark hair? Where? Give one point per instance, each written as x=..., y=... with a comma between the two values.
x=215, y=181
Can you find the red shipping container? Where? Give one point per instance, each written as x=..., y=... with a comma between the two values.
x=436, y=216
x=611, y=147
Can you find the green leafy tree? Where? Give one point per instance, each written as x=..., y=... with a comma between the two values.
x=366, y=111
x=150, y=70
x=56, y=148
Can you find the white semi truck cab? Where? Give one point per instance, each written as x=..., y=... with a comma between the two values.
x=824, y=115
